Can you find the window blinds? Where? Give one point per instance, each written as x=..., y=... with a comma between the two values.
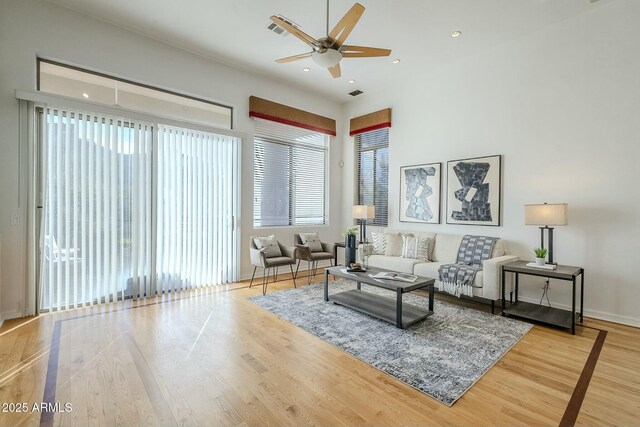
x=197, y=204
x=290, y=175
x=96, y=231
x=372, y=154
x=105, y=179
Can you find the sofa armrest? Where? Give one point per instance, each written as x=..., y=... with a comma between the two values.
x=327, y=247
x=492, y=275
x=288, y=251
x=257, y=257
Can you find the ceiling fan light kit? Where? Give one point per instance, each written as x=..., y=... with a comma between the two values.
x=327, y=58
x=328, y=51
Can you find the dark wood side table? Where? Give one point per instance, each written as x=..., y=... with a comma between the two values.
x=541, y=313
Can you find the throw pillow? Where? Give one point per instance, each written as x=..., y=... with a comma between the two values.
x=416, y=247
x=379, y=243
x=312, y=241
x=394, y=244
x=269, y=244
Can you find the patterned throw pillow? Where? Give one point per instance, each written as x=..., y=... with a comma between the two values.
x=379, y=243
x=394, y=244
x=269, y=244
x=416, y=247
x=312, y=241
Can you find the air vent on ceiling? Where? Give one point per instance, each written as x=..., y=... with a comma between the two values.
x=355, y=93
x=278, y=29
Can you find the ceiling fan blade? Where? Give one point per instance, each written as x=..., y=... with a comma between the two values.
x=343, y=28
x=335, y=71
x=293, y=58
x=363, y=51
x=295, y=31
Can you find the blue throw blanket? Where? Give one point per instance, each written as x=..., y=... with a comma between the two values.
x=457, y=279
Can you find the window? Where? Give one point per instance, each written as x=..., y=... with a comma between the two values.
x=105, y=177
x=85, y=85
x=372, y=154
x=289, y=175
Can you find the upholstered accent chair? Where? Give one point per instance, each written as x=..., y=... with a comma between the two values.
x=309, y=248
x=269, y=254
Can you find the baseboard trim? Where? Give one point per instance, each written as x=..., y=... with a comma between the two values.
x=601, y=315
x=7, y=315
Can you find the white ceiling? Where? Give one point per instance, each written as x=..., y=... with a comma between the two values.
x=235, y=32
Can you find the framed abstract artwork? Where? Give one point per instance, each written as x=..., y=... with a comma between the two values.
x=473, y=191
x=420, y=193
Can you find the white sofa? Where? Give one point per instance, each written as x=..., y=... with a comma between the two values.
x=444, y=250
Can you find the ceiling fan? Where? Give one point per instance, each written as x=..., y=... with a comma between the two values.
x=328, y=51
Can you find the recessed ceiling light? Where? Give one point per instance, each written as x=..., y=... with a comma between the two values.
x=306, y=69
x=352, y=81
x=395, y=61
x=456, y=34
x=85, y=94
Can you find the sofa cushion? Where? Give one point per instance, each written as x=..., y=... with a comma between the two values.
x=312, y=241
x=394, y=263
x=379, y=239
x=416, y=247
x=430, y=269
x=446, y=248
x=499, y=249
x=394, y=244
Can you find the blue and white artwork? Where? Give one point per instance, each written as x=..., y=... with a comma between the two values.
x=473, y=191
x=420, y=193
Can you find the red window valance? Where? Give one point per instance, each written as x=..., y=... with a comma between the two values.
x=269, y=110
x=372, y=121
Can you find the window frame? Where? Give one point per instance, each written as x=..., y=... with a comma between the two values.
x=135, y=83
x=291, y=178
x=358, y=168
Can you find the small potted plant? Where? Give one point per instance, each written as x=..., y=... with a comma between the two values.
x=541, y=255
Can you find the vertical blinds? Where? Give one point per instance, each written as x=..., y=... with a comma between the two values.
x=132, y=209
x=96, y=230
x=290, y=175
x=372, y=154
x=197, y=202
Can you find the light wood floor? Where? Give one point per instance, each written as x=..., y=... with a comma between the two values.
x=213, y=358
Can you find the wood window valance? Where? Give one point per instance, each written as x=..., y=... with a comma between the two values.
x=269, y=110
x=372, y=121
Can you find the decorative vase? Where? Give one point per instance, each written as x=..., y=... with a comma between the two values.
x=349, y=249
x=363, y=254
x=540, y=261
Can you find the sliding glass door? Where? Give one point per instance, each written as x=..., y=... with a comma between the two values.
x=131, y=209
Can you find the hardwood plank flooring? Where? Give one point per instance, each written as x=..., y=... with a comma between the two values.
x=211, y=357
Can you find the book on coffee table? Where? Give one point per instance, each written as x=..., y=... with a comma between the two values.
x=390, y=275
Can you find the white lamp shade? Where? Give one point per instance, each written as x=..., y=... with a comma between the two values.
x=364, y=211
x=326, y=59
x=546, y=214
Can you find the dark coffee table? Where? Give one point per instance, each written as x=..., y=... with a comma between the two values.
x=389, y=309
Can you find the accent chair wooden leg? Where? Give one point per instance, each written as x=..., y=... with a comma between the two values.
x=252, y=276
x=265, y=280
x=294, y=277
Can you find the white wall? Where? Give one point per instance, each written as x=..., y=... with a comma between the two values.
x=31, y=28
x=562, y=106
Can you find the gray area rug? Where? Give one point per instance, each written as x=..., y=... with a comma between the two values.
x=442, y=356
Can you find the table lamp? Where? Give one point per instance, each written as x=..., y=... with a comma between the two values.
x=545, y=215
x=362, y=213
